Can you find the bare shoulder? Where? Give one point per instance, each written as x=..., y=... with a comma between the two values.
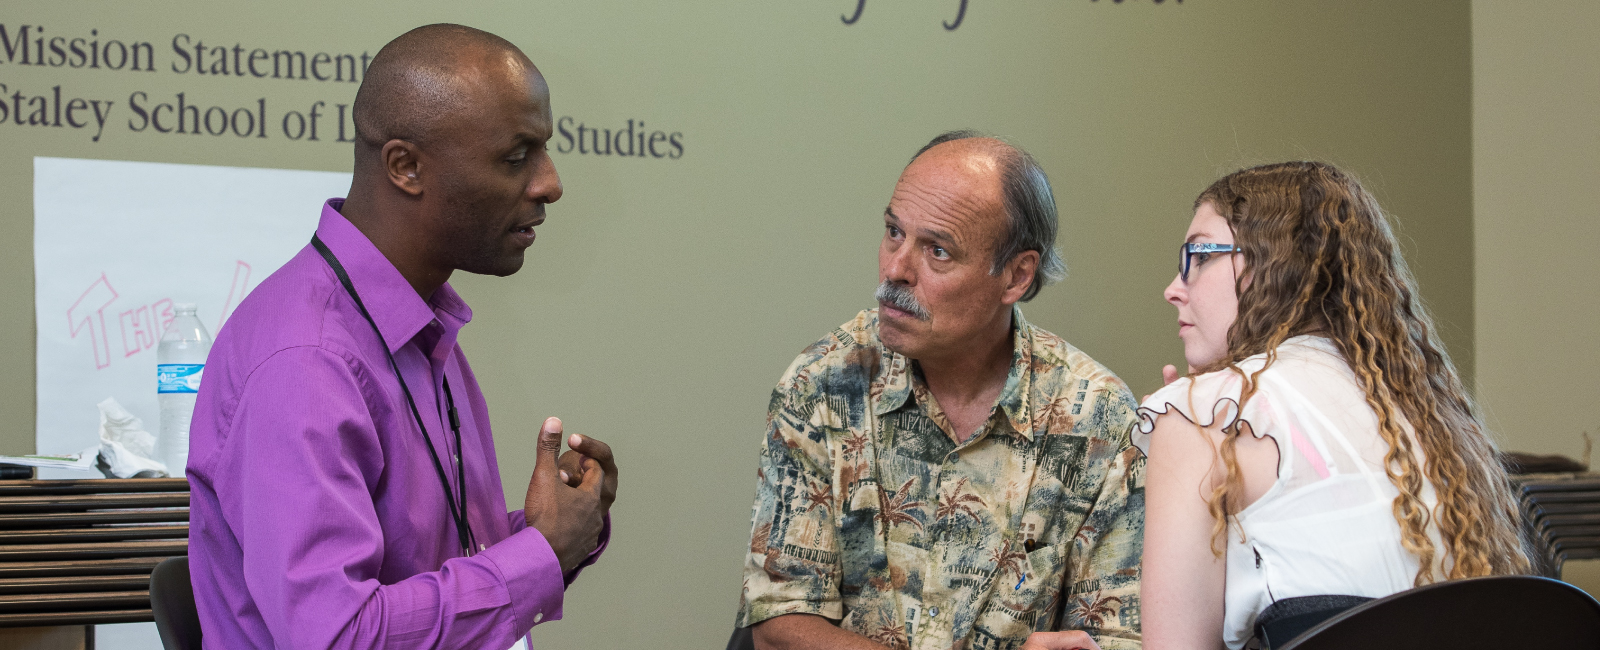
x=1175, y=434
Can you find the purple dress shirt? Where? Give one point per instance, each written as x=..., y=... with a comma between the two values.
x=317, y=519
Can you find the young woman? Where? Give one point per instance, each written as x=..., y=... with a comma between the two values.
x=1322, y=444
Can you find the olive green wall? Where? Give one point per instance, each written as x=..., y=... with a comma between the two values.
x=664, y=297
x=1536, y=158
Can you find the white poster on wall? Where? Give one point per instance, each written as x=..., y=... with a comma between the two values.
x=116, y=244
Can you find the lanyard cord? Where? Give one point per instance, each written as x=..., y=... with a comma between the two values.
x=458, y=506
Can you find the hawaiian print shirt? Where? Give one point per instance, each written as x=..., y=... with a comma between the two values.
x=867, y=512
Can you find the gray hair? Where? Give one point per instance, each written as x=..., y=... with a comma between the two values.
x=1030, y=210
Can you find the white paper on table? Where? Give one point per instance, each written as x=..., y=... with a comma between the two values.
x=116, y=243
x=82, y=461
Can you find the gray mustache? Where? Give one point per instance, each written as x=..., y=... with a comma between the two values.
x=899, y=297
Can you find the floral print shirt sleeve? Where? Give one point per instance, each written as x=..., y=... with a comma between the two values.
x=793, y=563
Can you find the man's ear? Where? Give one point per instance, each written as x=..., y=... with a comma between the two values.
x=402, y=163
x=1019, y=275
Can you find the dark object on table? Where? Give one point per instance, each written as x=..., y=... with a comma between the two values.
x=1561, y=517
x=172, y=601
x=80, y=552
x=105, y=468
x=9, y=472
x=1286, y=619
x=1517, y=462
x=1480, y=613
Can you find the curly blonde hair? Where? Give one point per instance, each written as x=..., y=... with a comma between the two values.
x=1319, y=257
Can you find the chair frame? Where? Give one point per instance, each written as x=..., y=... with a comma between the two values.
x=1515, y=586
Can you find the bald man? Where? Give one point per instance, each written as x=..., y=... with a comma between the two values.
x=344, y=485
x=938, y=472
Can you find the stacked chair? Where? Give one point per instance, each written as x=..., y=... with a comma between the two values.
x=1562, y=517
x=80, y=552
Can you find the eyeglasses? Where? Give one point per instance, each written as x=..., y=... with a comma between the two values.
x=1189, y=250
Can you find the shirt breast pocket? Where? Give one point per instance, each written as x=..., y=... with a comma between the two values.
x=1025, y=585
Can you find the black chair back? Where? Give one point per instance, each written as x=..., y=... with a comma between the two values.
x=1489, y=613
x=743, y=639
x=172, y=601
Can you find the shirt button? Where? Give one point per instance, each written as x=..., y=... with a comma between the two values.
x=483, y=547
x=538, y=616
x=933, y=611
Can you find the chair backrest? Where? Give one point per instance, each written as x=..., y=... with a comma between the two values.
x=743, y=639
x=172, y=602
x=1494, y=612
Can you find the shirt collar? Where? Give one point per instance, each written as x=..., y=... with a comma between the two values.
x=1014, y=396
x=394, y=305
x=896, y=378
x=1014, y=401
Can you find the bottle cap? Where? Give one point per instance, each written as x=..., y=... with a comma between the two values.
x=184, y=307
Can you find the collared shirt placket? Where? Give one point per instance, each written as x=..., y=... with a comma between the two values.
x=439, y=342
x=935, y=625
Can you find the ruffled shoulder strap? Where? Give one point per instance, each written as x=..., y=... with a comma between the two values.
x=1208, y=400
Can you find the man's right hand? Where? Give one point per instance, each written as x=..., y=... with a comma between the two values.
x=808, y=632
x=570, y=518
x=1072, y=640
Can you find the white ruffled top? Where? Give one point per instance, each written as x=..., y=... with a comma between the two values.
x=1326, y=526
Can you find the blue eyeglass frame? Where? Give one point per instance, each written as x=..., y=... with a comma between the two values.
x=1187, y=252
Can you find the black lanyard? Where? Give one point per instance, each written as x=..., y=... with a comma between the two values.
x=458, y=505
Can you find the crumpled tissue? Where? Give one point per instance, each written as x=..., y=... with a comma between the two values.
x=124, y=444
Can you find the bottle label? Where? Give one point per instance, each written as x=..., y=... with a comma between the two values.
x=178, y=377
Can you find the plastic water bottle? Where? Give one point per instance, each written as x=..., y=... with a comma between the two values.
x=180, y=360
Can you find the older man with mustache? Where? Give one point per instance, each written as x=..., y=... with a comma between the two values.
x=937, y=472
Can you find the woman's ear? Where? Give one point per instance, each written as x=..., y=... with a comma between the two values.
x=1241, y=272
